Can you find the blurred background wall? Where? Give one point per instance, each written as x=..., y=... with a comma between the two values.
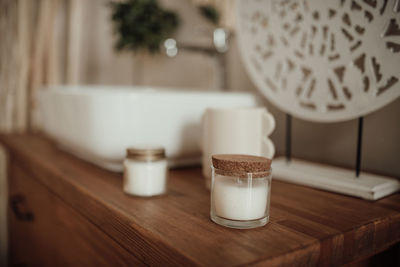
x=71, y=41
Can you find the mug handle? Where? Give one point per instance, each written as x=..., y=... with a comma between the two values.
x=201, y=139
x=268, y=123
x=267, y=148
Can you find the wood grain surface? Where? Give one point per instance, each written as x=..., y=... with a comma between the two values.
x=307, y=227
x=57, y=235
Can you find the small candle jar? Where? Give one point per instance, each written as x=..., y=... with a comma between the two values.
x=145, y=172
x=240, y=190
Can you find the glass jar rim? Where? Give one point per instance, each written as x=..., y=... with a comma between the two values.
x=242, y=174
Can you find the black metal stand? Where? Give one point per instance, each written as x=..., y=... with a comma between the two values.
x=359, y=145
x=359, y=142
x=288, y=137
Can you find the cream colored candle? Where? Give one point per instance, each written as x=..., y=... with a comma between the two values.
x=145, y=172
x=239, y=199
x=145, y=178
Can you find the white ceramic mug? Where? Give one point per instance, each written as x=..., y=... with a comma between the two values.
x=236, y=131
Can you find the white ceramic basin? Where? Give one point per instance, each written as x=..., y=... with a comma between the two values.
x=98, y=123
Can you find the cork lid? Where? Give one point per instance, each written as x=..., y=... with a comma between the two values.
x=238, y=165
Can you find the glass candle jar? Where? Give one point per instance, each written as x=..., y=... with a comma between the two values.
x=240, y=190
x=145, y=172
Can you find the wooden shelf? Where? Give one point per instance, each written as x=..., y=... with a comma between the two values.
x=307, y=226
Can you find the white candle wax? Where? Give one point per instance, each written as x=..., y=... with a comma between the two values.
x=237, y=199
x=145, y=178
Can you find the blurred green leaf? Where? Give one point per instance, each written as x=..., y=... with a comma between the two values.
x=210, y=13
x=142, y=25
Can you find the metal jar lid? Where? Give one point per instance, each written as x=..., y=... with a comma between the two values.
x=145, y=153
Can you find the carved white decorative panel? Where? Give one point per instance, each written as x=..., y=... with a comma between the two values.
x=322, y=60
